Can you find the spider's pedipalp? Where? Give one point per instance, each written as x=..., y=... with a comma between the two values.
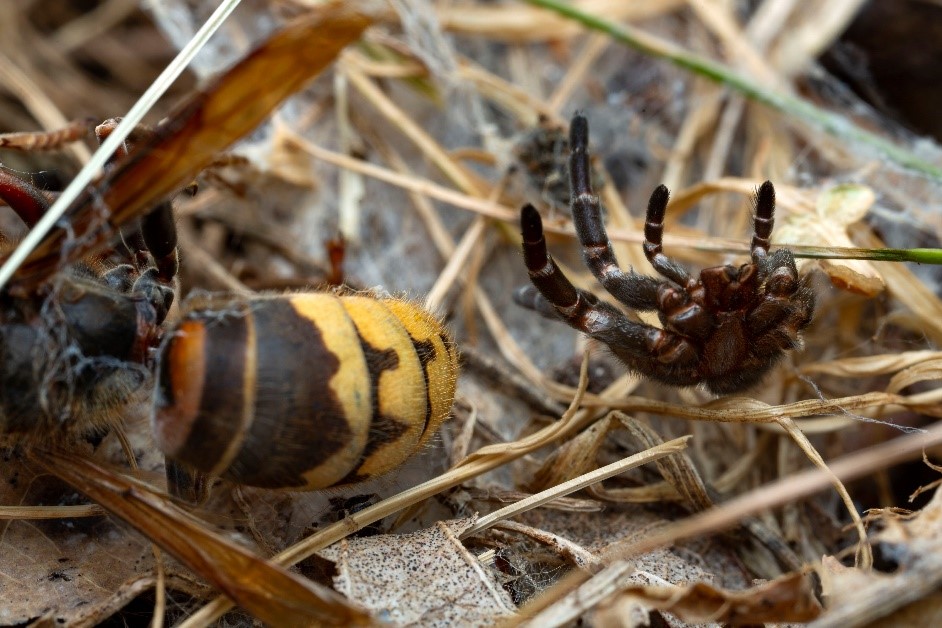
x=764, y=220
x=653, y=235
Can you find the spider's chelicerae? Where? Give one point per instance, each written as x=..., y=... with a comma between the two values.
x=724, y=329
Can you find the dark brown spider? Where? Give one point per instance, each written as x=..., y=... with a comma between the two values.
x=725, y=329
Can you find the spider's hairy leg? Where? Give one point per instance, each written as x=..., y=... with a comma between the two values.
x=24, y=198
x=653, y=235
x=580, y=309
x=159, y=234
x=636, y=291
x=47, y=140
x=529, y=297
x=155, y=237
x=764, y=220
x=554, y=287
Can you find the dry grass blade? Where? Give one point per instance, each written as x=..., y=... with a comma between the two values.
x=653, y=454
x=266, y=590
x=15, y=513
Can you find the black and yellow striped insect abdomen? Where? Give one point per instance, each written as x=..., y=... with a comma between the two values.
x=302, y=391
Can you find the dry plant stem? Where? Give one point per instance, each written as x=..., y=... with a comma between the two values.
x=864, y=552
x=517, y=101
x=481, y=461
x=457, y=263
x=721, y=22
x=572, y=552
x=416, y=184
x=90, y=25
x=406, y=125
x=15, y=513
x=570, y=609
x=214, y=272
x=576, y=72
x=743, y=466
x=695, y=124
x=872, y=364
x=41, y=107
x=777, y=493
x=461, y=442
x=160, y=590
x=813, y=34
x=561, y=490
x=741, y=410
x=678, y=471
x=520, y=24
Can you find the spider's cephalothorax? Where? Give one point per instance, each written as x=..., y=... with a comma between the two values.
x=725, y=329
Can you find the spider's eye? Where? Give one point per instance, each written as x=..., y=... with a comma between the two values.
x=782, y=282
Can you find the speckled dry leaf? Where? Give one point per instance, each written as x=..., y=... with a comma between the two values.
x=788, y=599
x=394, y=575
x=691, y=562
x=71, y=570
x=906, y=597
x=836, y=209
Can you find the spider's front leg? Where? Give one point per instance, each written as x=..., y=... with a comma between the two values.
x=638, y=292
x=639, y=345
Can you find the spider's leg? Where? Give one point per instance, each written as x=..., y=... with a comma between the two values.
x=24, y=198
x=47, y=140
x=159, y=234
x=530, y=298
x=636, y=291
x=653, y=234
x=156, y=236
x=631, y=341
x=764, y=220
